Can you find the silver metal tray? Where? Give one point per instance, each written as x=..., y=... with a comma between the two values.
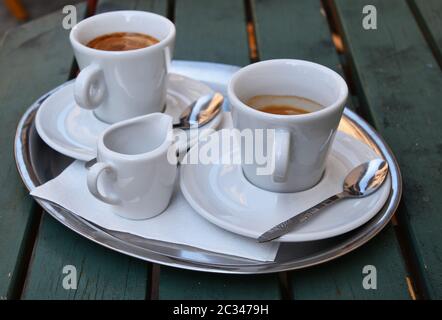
x=38, y=163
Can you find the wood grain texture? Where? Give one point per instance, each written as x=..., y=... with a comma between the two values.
x=103, y=274
x=33, y=60
x=428, y=14
x=294, y=30
x=178, y=284
x=342, y=279
x=299, y=29
x=156, y=6
x=213, y=31
x=400, y=84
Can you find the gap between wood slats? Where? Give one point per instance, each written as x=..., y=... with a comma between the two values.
x=415, y=286
x=28, y=249
x=154, y=282
x=331, y=17
x=250, y=21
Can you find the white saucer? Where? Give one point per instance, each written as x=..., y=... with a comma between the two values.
x=222, y=195
x=73, y=131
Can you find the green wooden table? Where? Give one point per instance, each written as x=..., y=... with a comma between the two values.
x=395, y=77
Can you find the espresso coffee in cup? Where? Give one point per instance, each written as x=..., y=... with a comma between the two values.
x=283, y=105
x=127, y=76
x=122, y=41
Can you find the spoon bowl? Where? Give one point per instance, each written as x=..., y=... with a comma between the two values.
x=366, y=178
x=200, y=112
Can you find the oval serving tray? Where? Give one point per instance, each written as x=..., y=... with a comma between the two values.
x=38, y=163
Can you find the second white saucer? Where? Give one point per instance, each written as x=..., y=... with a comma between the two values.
x=222, y=195
x=73, y=131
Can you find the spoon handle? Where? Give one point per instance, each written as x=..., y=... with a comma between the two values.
x=300, y=218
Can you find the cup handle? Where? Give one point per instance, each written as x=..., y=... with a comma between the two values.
x=281, y=148
x=167, y=59
x=92, y=182
x=90, y=87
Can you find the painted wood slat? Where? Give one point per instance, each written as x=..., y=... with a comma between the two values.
x=343, y=278
x=156, y=6
x=102, y=274
x=274, y=24
x=295, y=30
x=399, y=81
x=429, y=16
x=32, y=61
x=213, y=31
x=299, y=29
x=182, y=284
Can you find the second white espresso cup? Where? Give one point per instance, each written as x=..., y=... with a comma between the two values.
x=300, y=143
x=120, y=85
x=134, y=172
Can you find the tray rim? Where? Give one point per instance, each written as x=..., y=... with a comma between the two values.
x=106, y=239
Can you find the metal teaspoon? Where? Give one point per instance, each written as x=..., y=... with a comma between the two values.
x=360, y=182
x=198, y=113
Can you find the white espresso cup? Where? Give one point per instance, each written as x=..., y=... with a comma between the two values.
x=300, y=144
x=119, y=85
x=133, y=173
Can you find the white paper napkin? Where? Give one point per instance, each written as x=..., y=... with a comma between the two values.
x=179, y=223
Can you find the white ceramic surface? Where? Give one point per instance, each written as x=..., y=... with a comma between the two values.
x=120, y=85
x=73, y=131
x=136, y=166
x=301, y=142
x=223, y=195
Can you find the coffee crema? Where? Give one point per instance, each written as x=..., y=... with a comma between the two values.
x=283, y=109
x=283, y=105
x=122, y=41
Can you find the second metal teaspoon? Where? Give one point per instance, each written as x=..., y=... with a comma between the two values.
x=360, y=182
x=200, y=112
